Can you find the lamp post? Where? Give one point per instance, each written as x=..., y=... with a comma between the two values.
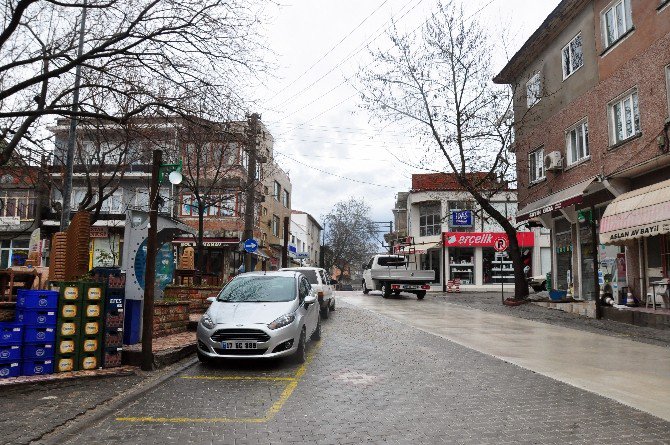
x=175, y=177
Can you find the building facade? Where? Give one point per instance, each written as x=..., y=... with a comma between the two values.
x=448, y=233
x=305, y=244
x=275, y=216
x=591, y=111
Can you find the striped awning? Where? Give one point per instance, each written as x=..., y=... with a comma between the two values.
x=642, y=212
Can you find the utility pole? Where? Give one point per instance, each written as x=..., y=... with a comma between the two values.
x=150, y=270
x=69, y=157
x=284, y=248
x=249, y=211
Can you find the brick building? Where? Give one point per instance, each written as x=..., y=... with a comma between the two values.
x=592, y=107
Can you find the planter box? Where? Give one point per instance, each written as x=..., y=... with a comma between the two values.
x=195, y=295
x=170, y=317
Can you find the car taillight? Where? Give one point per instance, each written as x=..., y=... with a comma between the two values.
x=425, y=287
x=395, y=286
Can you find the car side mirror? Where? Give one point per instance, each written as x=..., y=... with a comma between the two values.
x=211, y=299
x=309, y=300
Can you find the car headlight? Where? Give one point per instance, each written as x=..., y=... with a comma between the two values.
x=282, y=321
x=207, y=321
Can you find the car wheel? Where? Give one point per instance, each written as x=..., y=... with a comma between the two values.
x=365, y=288
x=396, y=292
x=300, y=355
x=316, y=335
x=386, y=291
x=325, y=312
x=204, y=359
x=421, y=294
x=544, y=286
x=332, y=304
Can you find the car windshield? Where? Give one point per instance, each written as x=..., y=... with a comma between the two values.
x=310, y=274
x=258, y=289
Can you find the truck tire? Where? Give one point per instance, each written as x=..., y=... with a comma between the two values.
x=365, y=288
x=420, y=294
x=386, y=290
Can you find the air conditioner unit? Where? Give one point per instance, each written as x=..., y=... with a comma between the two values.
x=553, y=161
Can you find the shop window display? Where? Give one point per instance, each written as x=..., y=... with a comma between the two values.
x=563, y=240
x=461, y=264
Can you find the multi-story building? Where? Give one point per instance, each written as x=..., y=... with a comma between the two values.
x=23, y=196
x=439, y=212
x=275, y=213
x=223, y=219
x=305, y=238
x=591, y=112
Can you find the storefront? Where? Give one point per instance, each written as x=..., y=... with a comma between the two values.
x=638, y=223
x=222, y=256
x=473, y=261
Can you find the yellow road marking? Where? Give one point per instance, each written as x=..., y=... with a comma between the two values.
x=234, y=377
x=274, y=409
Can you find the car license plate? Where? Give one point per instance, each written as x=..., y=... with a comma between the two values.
x=239, y=345
x=410, y=286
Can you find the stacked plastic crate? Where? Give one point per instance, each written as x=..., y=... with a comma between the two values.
x=27, y=344
x=90, y=348
x=113, y=339
x=69, y=328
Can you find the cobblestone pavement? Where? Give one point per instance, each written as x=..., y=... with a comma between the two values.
x=491, y=302
x=29, y=411
x=373, y=380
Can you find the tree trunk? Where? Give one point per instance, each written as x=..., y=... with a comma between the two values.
x=520, y=282
x=201, y=248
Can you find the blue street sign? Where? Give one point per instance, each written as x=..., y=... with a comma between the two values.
x=461, y=218
x=251, y=245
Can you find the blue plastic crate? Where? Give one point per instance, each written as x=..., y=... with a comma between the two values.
x=37, y=299
x=10, y=352
x=10, y=369
x=38, y=367
x=11, y=333
x=39, y=334
x=36, y=317
x=38, y=351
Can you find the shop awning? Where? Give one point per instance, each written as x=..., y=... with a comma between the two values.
x=555, y=201
x=642, y=212
x=262, y=254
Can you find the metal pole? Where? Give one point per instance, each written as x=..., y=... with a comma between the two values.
x=284, y=249
x=502, y=281
x=150, y=270
x=69, y=160
x=444, y=263
x=252, y=133
x=596, y=281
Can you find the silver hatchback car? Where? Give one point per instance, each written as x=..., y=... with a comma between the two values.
x=259, y=315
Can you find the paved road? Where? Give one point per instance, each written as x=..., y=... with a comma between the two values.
x=374, y=380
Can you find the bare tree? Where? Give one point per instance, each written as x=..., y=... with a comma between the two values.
x=139, y=56
x=439, y=84
x=213, y=172
x=350, y=235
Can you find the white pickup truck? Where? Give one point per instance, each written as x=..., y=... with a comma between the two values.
x=391, y=274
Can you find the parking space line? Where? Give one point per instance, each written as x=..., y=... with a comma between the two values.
x=271, y=412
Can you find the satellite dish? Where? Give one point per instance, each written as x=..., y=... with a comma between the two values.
x=175, y=177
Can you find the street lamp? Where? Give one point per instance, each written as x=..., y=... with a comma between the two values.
x=157, y=172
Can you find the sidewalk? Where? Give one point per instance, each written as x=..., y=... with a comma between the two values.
x=491, y=302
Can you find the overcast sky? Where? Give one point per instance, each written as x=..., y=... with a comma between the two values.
x=314, y=114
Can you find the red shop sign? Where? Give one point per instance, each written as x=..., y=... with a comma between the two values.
x=483, y=239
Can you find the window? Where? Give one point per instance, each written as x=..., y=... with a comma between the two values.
x=624, y=118
x=285, y=198
x=21, y=204
x=536, y=165
x=573, y=56
x=275, y=225
x=429, y=220
x=617, y=20
x=534, y=90
x=577, y=143
x=276, y=190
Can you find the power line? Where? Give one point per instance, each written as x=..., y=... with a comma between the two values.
x=330, y=50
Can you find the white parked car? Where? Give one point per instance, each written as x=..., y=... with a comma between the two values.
x=320, y=282
x=259, y=315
